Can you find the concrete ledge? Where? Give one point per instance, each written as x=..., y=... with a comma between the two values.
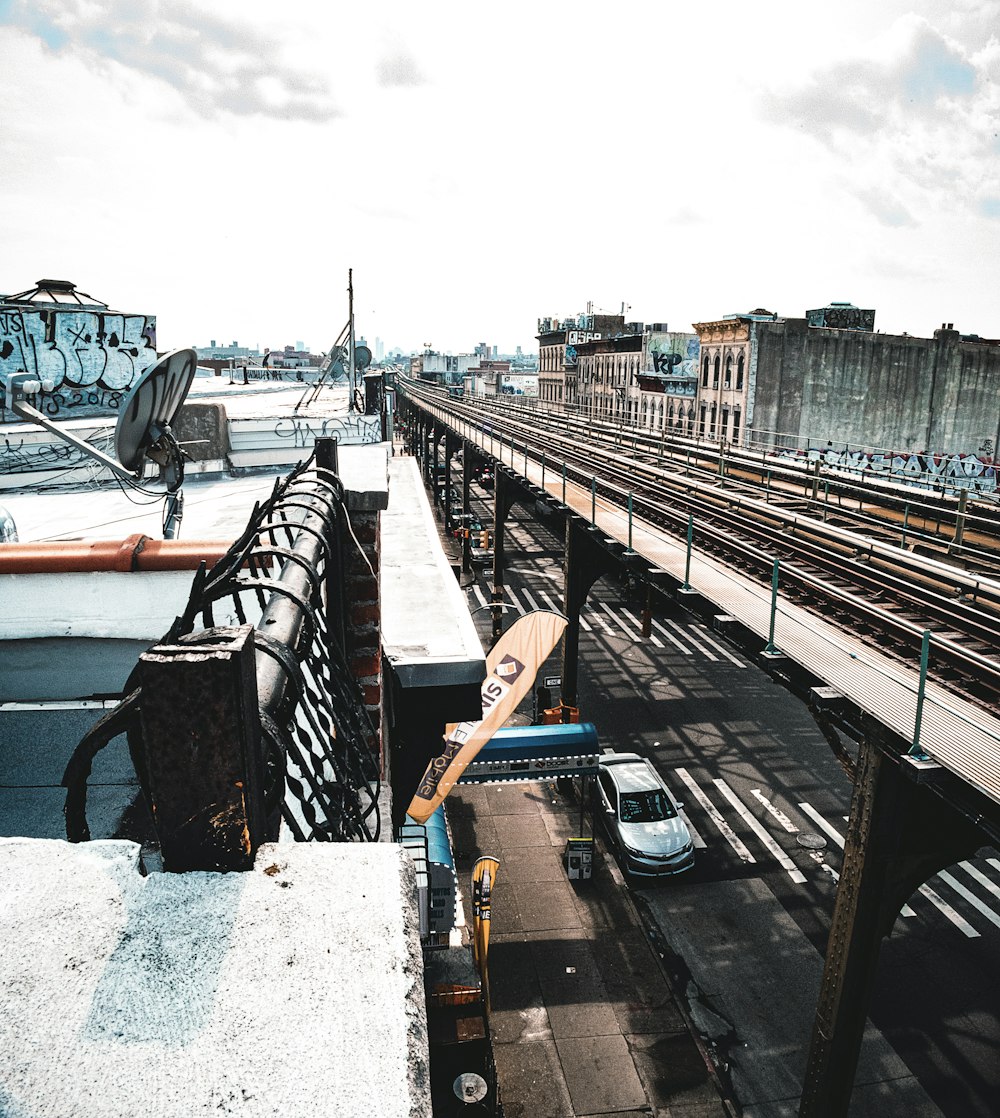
x=292, y=989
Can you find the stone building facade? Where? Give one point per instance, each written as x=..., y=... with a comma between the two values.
x=767, y=381
x=558, y=345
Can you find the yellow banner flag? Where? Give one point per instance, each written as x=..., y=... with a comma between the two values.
x=511, y=667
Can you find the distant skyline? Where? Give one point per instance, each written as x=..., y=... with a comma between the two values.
x=221, y=165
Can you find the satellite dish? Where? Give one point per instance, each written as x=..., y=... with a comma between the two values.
x=362, y=357
x=143, y=429
x=152, y=406
x=470, y=1087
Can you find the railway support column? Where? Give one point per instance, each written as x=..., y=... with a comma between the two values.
x=451, y=445
x=899, y=834
x=504, y=494
x=584, y=563
x=466, y=482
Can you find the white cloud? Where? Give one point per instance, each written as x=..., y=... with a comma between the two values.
x=222, y=163
x=216, y=64
x=913, y=117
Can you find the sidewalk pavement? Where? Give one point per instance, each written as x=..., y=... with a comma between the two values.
x=583, y=1022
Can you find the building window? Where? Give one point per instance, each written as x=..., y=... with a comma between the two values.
x=729, y=370
x=736, y=427
x=711, y=428
x=704, y=371
x=739, y=371
x=691, y=420
x=701, y=429
x=725, y=423
x=715, y=372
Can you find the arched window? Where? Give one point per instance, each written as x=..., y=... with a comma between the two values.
x=704, y=371
x=715, y=372
x=739, y=370
x=670, y=415
x=729, y=370
x=691, y=420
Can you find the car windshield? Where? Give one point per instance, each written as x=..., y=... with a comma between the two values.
x=645, y=807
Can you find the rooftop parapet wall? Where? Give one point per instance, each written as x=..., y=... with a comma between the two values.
x=291, y=989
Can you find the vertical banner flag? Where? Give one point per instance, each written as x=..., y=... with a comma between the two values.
x=484, y=876
x=510, y=672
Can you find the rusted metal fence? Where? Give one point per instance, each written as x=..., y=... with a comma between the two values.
x=246, y=713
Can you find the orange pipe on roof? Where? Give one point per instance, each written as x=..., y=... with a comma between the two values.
x=134, y=553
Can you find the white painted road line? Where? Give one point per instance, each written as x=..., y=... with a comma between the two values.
x=977, y=875
x=781, y=817
x=838, y=838
x=556, y=609
x=479, y=594
x=968, y=895
x=689, y=636
x=600, y=620
x=637, y=621
x=699, y=842
x=719, y=646
x=724, y=829
x=528, y=598
x=948, y=912
x=670, y=637
x=514, y=599
x=635, y=634
x=753, y=823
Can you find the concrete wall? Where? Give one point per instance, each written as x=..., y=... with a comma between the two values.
x=89, y=358
x=875, y=390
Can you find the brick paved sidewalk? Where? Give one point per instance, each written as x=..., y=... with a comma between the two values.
x=583, y=1021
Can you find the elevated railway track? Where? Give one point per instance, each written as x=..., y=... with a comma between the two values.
x=846, y=555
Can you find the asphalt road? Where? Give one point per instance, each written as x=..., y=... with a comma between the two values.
x=745, y=931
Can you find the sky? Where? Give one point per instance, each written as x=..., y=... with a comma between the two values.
x=223, y=164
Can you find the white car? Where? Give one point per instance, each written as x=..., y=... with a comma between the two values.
x=641, y=817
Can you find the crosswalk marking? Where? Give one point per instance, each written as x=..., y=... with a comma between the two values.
x=637, y=621
x=719, y=646
x=514, y=599
x=722, y=826
x=688, y=635
x=552, y=606
x=670, y=637
x=779, y=815
x=747, y=816
x=528, y=598
x=600, y=620
x=960, y=922
x=968, y=895
x=983, y=880
x=479, y=594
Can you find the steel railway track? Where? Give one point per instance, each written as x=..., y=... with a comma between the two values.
x=882, y=592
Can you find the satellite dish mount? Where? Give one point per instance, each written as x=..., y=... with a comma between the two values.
x=143, y=431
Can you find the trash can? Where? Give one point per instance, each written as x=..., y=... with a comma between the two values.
x=578, y=858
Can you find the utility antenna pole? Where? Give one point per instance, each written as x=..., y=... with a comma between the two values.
x=353, y=373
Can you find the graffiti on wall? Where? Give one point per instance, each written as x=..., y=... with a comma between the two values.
x=925, y=470
x=674, y=356
x=345, y=429
x=82, y=357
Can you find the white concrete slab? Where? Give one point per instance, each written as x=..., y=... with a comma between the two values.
x=428, y=634
x=291, y=990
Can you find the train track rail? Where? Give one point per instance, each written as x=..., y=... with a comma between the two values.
x=884, y=593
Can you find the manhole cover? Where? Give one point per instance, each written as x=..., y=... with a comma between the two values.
x=811, y=841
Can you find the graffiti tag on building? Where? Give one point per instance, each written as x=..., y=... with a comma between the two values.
x=80, y=354
x=305, y=431
x=926, y=470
